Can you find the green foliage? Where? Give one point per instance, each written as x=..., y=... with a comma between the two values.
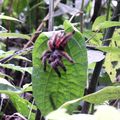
x=105, y=24
x=22, y=105
x=17, y=68
x=105, y=94
x=99, y=20
x=4, y=17
x=49, y=90
x=14, y=35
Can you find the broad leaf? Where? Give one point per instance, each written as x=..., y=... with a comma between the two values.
x=107, y=93
x=49, y=90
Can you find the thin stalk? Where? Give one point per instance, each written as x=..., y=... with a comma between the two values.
x=108, y=9
x=81, y=16
x=31, y=109
x=51, y=13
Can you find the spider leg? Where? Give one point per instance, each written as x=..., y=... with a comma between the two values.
x=65, y=55
x=61, y=65
x=44, y=61
x=46, y=52
x=54, y=66
x=52, y=41
x=63, y=41
x=44, y=58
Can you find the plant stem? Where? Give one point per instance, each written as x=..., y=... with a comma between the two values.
x=81, y=16
x=108, y=9
x=98, y=67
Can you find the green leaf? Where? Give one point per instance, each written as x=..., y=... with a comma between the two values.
x=27, y=87
x=98, y=21
x=105, y=24
x=93, y=38
x=9, y=18
x=4, y=54
x=5, y=75
x=49, y=90
x=109, y=49
x=109, y=67
x=22, y=105
x=14, y=35
x=19, y=5
x=17, y=68
x=6, y=87
x=107, y=93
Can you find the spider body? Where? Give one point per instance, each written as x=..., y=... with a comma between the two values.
x=56, y=52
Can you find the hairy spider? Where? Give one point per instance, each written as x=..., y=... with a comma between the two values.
x=56, y=52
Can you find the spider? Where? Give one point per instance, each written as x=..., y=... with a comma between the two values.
x=56, y=52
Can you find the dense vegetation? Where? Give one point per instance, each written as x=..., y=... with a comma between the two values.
x=28, y=92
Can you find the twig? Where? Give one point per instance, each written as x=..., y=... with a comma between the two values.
x=98, y=67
